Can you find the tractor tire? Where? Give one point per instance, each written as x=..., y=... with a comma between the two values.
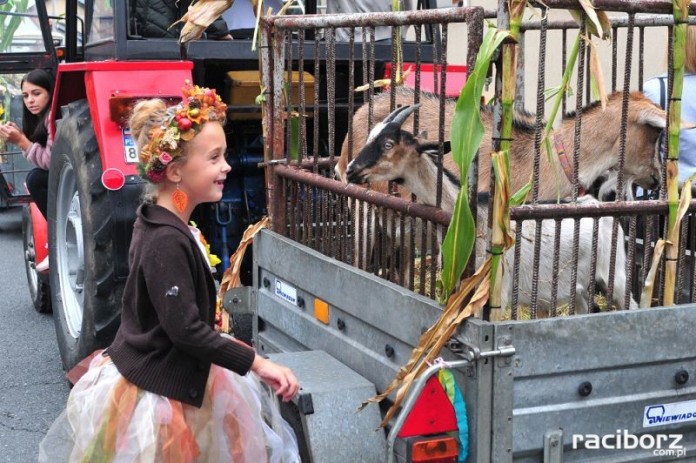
x=39, y=289
x=85, y=293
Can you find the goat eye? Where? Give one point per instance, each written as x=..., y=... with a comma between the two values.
x=388, y=145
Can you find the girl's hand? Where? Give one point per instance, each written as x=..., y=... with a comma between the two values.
x=11, y=133
x=280, y=378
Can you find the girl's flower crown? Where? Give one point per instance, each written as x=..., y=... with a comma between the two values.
x=181, y=123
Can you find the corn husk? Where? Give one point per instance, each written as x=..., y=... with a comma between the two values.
x=231, y=278
x=199, y=16
x=433, y=340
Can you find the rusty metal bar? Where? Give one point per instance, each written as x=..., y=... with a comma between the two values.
x=422, y=211
x=640, y=21
x=630, y=266
x=615, y=209
x=394, y=18
x=593, y=263
x=627, y=6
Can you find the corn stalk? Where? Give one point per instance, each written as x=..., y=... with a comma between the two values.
x=680, y=12
x=467, y=134
x=500, y=231
x=600, y=26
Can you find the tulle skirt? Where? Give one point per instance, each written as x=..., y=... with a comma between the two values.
x=108, y=419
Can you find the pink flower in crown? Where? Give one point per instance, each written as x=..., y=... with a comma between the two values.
x=165, y=158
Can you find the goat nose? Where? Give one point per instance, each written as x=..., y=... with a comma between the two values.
x=656, y=181
x=353, y=175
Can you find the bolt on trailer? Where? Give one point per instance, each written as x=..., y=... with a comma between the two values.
x=568, y=372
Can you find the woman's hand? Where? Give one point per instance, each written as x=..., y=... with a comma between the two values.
x=280, y=378
x=11, y=132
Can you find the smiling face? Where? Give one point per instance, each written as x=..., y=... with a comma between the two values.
x=204, y=172
x=36, y=98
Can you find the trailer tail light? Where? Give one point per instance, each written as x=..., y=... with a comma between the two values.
x=113, y=179
x=438, y=450
x=432, y=413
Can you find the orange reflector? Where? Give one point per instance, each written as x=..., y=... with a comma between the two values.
x=321, y=311
x=440, y=450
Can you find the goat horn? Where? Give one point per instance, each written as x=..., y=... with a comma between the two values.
x=399, y=115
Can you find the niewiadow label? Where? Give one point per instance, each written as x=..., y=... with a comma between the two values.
x=674, y=413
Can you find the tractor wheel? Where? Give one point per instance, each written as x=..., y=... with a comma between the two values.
x=39, y=289
x=85, y=294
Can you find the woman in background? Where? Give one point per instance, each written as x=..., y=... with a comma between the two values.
x=35, y=138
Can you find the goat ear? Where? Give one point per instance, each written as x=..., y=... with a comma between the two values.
x=653, y=116
x=429, y=147
x=656, y=117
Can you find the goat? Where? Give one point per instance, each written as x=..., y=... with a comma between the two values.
x=599, y=150
x=396, y=155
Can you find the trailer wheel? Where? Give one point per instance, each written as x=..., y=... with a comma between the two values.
x=86, y=295
x=39, y=289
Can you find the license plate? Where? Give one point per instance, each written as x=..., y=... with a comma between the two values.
x=130, y=151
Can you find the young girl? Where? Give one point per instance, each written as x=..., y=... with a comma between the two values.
x=35, y=138
x=170, y=388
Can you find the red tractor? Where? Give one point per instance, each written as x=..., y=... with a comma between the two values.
x=94, y=190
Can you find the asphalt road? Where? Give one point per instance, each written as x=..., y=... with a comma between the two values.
x=33, y=388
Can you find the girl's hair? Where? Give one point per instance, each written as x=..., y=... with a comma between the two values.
x=34, y=126
x=147, y=115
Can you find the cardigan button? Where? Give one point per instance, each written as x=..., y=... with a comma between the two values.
x=193, y=393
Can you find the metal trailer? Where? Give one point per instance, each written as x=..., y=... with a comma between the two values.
x=614, y=386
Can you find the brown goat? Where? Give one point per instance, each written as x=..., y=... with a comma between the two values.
x=599, y=148
x=599, y=145
x=393, y=154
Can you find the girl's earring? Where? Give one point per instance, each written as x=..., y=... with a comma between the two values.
x=180, y=199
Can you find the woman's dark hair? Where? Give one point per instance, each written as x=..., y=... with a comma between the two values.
x=34, y=126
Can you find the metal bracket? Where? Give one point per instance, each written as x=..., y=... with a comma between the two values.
x=473, y=353
x=553, y=446
x=240, y=300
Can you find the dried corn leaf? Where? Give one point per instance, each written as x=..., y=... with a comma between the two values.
x=597, y=76
x=474, y=306
x=231, y=279
x=646, y=295
x=433, y=340
x=595, y=26
x=199, y=16
x=380, y=83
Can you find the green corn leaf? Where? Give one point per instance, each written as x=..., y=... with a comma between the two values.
x=294, y=153
x=467, y=134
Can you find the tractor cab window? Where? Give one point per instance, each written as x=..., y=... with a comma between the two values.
x=20, y=31
x=101, y=27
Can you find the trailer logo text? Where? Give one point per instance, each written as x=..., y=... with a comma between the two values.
x=662, y=414
x=285, y=291
x=660, y=444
